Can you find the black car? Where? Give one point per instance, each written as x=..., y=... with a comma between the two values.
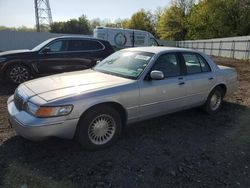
x=55, y=55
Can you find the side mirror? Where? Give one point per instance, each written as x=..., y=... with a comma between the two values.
x=157, y=75
x=46, y=50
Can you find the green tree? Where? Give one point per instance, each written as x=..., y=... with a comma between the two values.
x=125, y=23
x=57, y=27
x=184, y=5
x=171, y=22
x=142, y=20
x=218, y=18
x=207, y=20
x=171, y=25
x=238, y=16
x=73, y=26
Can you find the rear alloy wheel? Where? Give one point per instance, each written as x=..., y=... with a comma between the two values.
x=18, y=74
x=214, y=101
x=99, y=128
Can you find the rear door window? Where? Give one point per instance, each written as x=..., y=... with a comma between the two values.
x=84, y=45
x=204, y=65
x=192, y=63
x=195, y=63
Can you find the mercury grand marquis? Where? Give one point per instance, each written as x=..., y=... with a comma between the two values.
x=130, y=85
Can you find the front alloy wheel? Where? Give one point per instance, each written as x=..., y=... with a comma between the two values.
x=102, y=129
x=99, y=127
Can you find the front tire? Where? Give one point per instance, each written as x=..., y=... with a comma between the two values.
x=99, y=128
x=214, y=101
x=18, y=74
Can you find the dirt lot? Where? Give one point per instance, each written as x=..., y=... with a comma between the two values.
x=185, y=149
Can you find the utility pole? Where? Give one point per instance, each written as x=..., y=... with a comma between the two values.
x=43, y=14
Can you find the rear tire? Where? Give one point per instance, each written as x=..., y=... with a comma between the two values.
x=99, y=128
x=214, y=101
x=18, y=74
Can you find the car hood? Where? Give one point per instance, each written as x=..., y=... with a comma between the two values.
x=14, y=52
x=74, y=83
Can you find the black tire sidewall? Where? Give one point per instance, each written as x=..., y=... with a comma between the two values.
x=84, y=123
x=207, y=104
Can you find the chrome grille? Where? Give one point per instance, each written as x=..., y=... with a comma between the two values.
x=19, y=102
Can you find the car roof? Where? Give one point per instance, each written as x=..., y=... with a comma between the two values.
x=159, y=49
x=77, y=37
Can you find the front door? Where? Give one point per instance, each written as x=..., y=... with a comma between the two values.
x=161, y=96
x=53, y=57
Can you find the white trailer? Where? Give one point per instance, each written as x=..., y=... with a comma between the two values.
x=123, y=38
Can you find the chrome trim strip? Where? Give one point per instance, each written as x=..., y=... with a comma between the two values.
x=129, y=108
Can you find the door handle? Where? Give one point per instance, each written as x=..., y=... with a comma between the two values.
x=211, y=78
x=181, y=83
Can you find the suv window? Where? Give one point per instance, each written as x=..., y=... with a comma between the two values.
x=84, y=45
x=168, y=64
x=192, y=63
x=56, y=46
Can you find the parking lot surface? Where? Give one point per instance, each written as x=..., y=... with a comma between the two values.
x=184, y=149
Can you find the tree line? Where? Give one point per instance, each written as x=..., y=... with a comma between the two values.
x=181, y=20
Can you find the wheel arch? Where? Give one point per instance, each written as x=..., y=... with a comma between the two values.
x=222, y=86
x=115, y=105
x=10, y=64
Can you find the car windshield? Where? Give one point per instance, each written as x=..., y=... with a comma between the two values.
x=40, y=46
x=127, y=64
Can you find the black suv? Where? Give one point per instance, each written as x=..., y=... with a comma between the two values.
x=55, y=55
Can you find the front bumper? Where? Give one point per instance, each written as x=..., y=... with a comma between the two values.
x=34, y=128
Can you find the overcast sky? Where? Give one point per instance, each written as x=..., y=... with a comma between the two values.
x=15, y=13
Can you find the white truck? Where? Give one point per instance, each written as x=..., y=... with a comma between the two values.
x=124, y=38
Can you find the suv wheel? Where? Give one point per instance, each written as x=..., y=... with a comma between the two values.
x=18, y=74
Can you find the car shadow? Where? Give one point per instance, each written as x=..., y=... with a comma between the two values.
x=188, y=148
x=7, y=88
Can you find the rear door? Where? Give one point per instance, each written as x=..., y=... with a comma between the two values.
x=199, y=78
x=83, y=53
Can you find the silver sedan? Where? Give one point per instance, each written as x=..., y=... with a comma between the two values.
x=131, y=85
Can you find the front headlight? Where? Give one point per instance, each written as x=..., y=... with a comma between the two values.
x=48, y=111
x=2, y=59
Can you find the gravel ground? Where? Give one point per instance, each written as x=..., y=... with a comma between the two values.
x=184, y=149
